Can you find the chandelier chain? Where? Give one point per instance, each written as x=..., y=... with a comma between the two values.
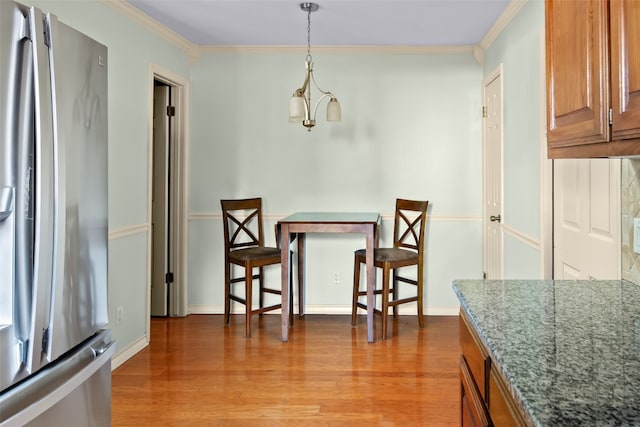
x=309, y=58
x=309, y=32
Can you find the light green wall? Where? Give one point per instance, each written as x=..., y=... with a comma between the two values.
x=131, y=50
x=520, y=260
x=411, y=128
x=404, y=118
x=520, y=49
x=127, y=287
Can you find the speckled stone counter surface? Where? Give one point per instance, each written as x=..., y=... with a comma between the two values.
x=568, y=350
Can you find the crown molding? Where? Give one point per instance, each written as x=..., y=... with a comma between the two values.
x=340, y=49
x=125, y=9
x=478, y=53
x=504, y=19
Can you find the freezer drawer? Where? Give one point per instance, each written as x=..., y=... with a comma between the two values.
x=75, y=391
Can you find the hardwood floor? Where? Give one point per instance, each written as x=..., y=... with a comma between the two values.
x=196, y=372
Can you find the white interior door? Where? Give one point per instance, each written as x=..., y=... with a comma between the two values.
x=587, y=241
x=493, y=173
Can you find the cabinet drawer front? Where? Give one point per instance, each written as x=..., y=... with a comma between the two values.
x=475, y=356
x=474, y=411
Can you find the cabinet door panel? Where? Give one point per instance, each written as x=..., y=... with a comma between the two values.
x=625, y=68
x=577, y=72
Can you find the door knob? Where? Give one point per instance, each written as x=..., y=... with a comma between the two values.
x=495, y=218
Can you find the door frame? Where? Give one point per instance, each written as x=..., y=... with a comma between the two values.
x=178, y=154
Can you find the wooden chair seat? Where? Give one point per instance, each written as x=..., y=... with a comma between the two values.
x=263, y=254
x=395, y=255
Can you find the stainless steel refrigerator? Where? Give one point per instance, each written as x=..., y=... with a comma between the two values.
x=55, y=350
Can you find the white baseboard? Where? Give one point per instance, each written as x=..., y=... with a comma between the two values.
x=443, y=311
x=328, y=309
x=127, y=353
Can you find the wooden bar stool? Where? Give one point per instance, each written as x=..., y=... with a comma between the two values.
x=244, y=247
x=407, y=250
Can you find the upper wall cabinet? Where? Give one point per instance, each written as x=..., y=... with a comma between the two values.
x=593, y=78
x=625, y=68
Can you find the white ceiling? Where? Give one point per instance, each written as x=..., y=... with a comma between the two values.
x=336, y=23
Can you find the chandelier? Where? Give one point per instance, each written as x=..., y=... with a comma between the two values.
x=300, y=106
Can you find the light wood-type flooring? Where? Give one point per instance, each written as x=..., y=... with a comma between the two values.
x=197, y=372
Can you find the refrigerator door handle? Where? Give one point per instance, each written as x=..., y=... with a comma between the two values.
x=59, y=186
x=16, y=201
x=24, y=203
x=102, y=349
x=44, y=189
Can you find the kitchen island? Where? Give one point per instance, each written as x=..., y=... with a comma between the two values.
x=550, y=353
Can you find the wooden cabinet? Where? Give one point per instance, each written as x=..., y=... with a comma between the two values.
x=625, y=68
x=577, y=72
x=485, y=400
x=593, y=78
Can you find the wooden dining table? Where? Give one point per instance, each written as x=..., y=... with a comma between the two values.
x=301, y=223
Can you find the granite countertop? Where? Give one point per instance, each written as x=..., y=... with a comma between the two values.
x=568, y=350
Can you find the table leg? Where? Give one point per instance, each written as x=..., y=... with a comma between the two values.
x=371, y=282
x=285, y=259
x=301, y=276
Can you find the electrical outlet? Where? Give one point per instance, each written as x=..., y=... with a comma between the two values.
x=119, y=313
x=336, y=277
